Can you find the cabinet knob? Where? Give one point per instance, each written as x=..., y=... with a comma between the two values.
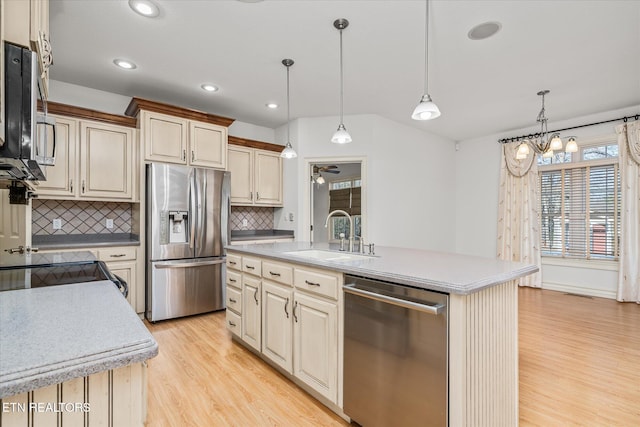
x=71, y=185
x=83, y=185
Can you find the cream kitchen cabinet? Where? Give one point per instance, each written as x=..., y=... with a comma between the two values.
x=277, y=332
x=251, y=304
x=234, y=295
x=256, y=176
x=177, y=140
x=94, y=161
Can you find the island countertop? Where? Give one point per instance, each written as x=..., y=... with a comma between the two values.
x=52, y=334
x=437, y=271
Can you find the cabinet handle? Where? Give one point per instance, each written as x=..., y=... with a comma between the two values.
x=232, y=280
x=250, y=267
x=83, y=185
x=255, y=296
x=274, y=274
x=232, y=323
x=232, y=262
x=71, y=185
x=232, y=300
x=295, y=305
x=117, y=255
x=285, y=308
x=193, y=156
x=257, y=195
x=311, y=283
x=184, y=155
x=251, y=195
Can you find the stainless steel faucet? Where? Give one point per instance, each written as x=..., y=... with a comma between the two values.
x=339, y=211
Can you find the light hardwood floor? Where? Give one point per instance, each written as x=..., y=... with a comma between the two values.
x=579, y=365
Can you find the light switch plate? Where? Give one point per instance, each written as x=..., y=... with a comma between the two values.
x=245, y=222
x=109, y=223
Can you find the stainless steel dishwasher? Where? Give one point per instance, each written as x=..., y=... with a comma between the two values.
x=395, y=354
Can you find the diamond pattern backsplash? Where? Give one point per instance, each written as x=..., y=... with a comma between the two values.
x=80, y=217
x=257, y=218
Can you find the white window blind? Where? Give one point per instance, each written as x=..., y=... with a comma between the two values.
x=580, y=210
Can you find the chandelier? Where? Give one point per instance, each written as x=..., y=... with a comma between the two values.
x=542, y=142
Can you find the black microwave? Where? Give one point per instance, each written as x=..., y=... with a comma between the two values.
x=24, y=153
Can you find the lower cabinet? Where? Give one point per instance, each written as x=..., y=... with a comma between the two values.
x=291, y=316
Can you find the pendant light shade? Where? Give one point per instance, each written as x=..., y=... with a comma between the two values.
x=426, y=109
x=288, y=152
x=341, y=136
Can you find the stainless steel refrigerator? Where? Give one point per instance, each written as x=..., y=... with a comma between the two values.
x=187, y=229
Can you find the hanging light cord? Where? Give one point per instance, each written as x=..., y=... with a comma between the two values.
x=288, y=109
x=426, y=48
x=341, y=83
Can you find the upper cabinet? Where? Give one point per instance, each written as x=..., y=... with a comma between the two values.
x=177, y=135
x=256, y=173
x=95, y=157
x=26, y=22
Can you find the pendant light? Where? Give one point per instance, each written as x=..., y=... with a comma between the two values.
x=426, y=109
x=341, y=136
x=288, y=152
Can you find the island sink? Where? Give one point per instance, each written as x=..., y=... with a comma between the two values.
x=328, y=255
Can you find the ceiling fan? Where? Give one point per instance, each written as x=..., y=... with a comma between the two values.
x=327, y=169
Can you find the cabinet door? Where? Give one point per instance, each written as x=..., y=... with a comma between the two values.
x=106, y=153
x=251, y=313
x=62, y=179
x=127, y=271
x=276, y=324
x=165, y=138
x=315, y=337
x=268, y=178
x=207, y=145
x=241, y=167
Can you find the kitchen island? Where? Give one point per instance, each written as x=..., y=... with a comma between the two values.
x=482, y=318
x=74, y=353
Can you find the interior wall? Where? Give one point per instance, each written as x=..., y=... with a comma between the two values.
x=410, y=179
x=477, y=169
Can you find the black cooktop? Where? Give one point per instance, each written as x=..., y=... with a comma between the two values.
x=51, y=275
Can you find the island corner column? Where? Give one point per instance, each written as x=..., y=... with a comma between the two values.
x=483, y=357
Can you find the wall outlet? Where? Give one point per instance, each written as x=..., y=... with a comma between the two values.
x=290, y=216
x=245, y=223
x=57, y=224
x=109, y=223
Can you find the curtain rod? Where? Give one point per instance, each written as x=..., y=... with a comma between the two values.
x=537, y=134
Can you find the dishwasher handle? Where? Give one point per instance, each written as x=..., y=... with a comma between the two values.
x=431, y=309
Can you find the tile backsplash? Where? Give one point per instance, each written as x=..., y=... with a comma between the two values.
x=80, y=217
x=256, y=218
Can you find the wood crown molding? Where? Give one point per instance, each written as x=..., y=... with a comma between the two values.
x=138, y=104
x=255, y=144
x=86, y=113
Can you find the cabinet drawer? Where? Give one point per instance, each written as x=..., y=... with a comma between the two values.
x=234, y=279
x=234, y=299
x=117, y=254
x=317, y=282
x=234, y=323
x=277, y=272
x=251, y=265
x=234, y=261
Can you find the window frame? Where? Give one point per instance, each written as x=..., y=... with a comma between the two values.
x=577, y=162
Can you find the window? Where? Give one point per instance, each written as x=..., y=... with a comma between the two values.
x=580, y=203
x=345, y=195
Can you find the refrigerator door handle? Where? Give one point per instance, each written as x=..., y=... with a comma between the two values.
x=192, y=209
x=188, y=264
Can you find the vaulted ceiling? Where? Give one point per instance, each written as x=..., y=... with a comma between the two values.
x=584, y=52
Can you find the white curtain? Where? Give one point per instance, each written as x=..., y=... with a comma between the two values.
x=518, y=212
x=629, y=268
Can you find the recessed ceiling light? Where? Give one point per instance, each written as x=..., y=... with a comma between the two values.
x=209, y=87
x=123, y=63
x=272, y=105
x=484, y=30
x=145, y=8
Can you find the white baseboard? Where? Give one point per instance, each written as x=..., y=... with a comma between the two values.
x=580, y=290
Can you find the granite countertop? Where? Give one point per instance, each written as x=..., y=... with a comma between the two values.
x=240, y=235
x=35, y=259
x=71, y=241
x=437, y=271
x=53, y=334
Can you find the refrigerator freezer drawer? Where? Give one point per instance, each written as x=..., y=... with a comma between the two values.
x=185, y=287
